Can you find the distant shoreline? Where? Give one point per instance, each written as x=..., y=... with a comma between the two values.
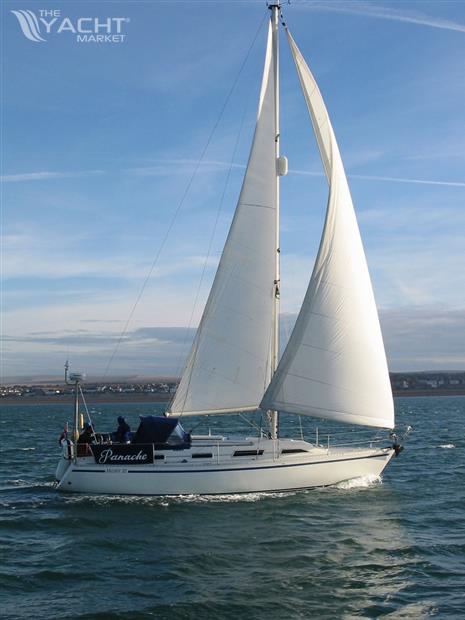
x=431, y=392
x=93, y=400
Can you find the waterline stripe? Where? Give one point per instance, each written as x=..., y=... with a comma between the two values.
x=238, y=469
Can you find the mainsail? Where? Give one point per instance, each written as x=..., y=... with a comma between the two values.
x=334, y=365
x=229, y=365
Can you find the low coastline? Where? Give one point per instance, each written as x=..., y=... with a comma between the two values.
x=108, y=399
x=92, y=400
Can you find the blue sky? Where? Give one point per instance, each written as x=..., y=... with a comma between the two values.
x=100, y=142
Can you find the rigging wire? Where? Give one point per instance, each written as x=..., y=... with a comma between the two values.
x=215, y=226
x=181, y=202
x=250, y=422
x=85, y=406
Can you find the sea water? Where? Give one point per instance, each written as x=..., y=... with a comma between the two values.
x=371, y=548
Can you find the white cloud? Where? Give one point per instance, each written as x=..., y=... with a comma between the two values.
x=427, y=218
x=438, y=152
x=431, y=338
x=162, y=167
x=46, y=257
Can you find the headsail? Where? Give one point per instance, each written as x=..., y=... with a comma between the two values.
x=228, y=368
x=334, y=365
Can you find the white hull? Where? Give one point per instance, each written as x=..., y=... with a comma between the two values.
x=179, y=473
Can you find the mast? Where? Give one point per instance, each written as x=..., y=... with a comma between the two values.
x=273, y=415
x=75, y=378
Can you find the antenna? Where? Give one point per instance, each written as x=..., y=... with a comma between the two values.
x=74, y=377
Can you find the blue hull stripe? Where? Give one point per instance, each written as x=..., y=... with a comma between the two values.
x=231, y=469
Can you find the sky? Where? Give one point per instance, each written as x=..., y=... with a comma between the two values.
x=122, y=161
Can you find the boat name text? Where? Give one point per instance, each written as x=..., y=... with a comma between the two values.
x=107, y=455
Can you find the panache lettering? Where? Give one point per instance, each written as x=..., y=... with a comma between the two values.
x=123, y=454
x=107, y=455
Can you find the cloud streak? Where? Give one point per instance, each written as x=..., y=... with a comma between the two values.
x=48, y=176
x=181, y=166
x=211, y=165
x=367, y=177
x=381, y=12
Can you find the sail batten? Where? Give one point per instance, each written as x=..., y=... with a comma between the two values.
x=334, y=365
x=228, y=368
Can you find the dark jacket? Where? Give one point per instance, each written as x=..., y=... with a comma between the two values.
x=87, y=436
x=120, y=435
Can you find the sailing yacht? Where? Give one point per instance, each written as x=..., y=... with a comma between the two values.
x=333, y=367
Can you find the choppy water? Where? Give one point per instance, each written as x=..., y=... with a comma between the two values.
x=368, y=549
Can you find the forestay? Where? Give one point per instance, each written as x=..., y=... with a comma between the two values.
x=228, y=368
x=334, y=365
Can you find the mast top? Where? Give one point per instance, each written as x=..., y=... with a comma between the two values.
x=275, y=7
x=276, y=12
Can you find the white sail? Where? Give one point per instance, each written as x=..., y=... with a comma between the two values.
x=229, y=365
x=334, y=365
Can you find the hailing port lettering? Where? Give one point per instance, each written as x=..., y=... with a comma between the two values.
x=37, y=25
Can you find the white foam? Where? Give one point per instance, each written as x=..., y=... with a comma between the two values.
x=233, y=497
x=24, y=484
x=363, y=482
x=18, y=482
x=166, y=500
